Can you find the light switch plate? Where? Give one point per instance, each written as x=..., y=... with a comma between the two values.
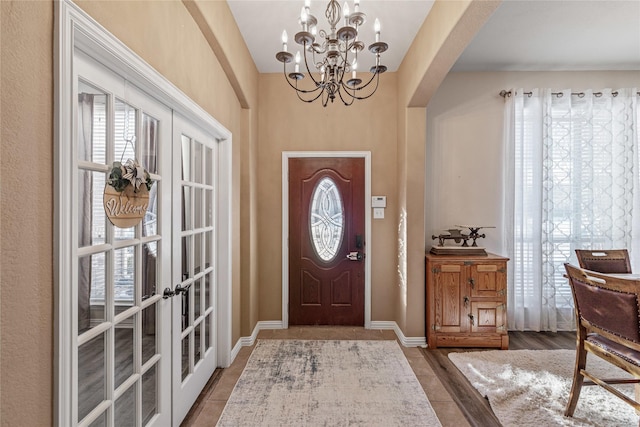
x=378, y=213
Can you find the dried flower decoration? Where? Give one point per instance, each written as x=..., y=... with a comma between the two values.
x=129, y=173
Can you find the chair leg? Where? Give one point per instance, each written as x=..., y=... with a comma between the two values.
x=578, y=379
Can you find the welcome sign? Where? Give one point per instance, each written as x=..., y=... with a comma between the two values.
x=125, y=208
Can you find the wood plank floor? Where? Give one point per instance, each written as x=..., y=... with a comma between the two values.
x=476, y=408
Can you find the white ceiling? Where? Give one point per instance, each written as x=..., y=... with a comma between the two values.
x=521, y=35
x=557, y=35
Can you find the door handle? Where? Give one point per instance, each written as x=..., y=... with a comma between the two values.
x=182, y=289
x=355, y=256
x=168, y=293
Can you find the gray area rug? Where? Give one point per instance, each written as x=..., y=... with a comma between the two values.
x=531, y=388
x=328, y=383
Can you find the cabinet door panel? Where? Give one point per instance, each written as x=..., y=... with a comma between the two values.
x=447, y=290
x=487, y=280
x=487, y=316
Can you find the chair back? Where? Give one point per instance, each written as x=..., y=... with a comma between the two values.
x=606, y=305
x=604, y=260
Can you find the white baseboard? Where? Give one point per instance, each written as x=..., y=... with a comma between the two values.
x=277, y=324
x=405, y=341
x=251, y=340
x=268, y=324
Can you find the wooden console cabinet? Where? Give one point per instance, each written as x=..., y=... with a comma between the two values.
x=466, y=301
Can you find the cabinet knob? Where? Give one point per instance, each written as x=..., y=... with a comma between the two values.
x=472, y=282
x=466, y=301
x=472, y=319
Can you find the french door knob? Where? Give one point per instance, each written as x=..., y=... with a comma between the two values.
x=182, y=289
x=168, y=293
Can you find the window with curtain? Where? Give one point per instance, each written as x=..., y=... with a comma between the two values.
x=572, y=181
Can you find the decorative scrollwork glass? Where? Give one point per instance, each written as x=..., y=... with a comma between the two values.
x=326, y=219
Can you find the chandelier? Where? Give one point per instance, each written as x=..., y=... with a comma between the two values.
x=334, y=57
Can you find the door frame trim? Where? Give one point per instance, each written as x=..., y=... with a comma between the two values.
x=286, y=155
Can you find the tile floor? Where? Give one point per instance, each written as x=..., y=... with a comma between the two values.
x=211, y=403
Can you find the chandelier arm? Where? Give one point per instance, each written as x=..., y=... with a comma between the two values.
x=324, y=99
x=362, y=87
x=306, y=64
x=374, y=89
x=346, y=64
x=299, y=91
x=353, y=98
x=296, y=86
x=373, y=76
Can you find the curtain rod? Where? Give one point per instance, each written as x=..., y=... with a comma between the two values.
x=505, y=93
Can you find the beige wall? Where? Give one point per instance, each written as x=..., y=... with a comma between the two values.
x=464, y=143
x=286, y=124
x=449, y=27
x=26, y=269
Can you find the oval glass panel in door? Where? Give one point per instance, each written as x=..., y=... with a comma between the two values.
x=326, y=219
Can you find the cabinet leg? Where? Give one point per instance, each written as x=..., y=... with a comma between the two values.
x=505, y=342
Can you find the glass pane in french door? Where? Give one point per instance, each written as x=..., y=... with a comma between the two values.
x=194, y=262
x=197, y=171
x=118, y=302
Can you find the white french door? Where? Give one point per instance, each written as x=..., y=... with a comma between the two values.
x=195, y=171
x=143, y=313
x=121, y=354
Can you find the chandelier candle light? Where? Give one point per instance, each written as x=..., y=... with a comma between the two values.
x=334, y=57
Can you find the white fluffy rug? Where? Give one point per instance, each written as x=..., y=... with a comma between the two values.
x=328, y=383
x=531, y=388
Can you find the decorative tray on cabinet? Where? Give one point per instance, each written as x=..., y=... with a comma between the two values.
x=458, y=250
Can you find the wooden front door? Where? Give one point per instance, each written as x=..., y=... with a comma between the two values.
x=326, y=241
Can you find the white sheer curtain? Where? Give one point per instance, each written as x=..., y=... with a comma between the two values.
x=572, y=181
x=85, y=186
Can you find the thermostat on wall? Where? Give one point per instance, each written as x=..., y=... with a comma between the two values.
x=379, y=201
